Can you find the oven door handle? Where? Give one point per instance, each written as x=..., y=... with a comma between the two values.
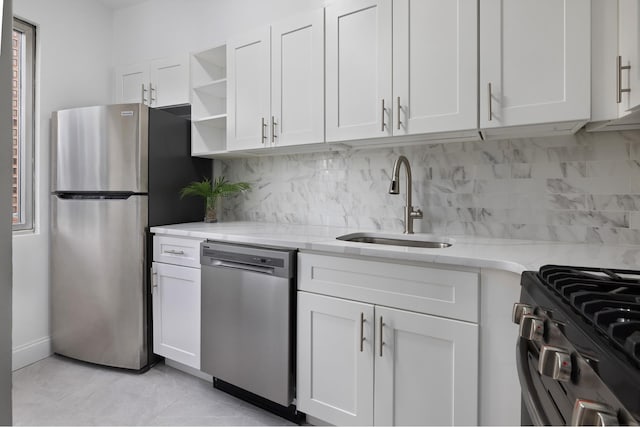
x=529, y=396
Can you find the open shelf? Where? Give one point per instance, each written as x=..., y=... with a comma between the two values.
x=216, y=88
x=208, y=66
x=219, y=120
x=209, y=102
x=216, y=56
x=208, y=136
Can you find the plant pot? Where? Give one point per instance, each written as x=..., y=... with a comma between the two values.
x=211, y=213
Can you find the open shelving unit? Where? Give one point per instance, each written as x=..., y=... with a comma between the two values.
x=209, y=102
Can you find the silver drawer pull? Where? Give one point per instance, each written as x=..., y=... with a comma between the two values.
x=490, y=96
x=143, y=91
x=619, y=89
x=154, y=279
x=381, y=335
x=173, y=252
x=362, y=338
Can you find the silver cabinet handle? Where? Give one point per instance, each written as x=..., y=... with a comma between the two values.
x=273, y=129
x=142, y=92
x=399, y=109
x=381, y=342
x=619, y=89
x=154, y=279
x=362, y=338
x=173, y=252
x=383, y=123
x=490, y=95
x=264, y=125
x=151, y=98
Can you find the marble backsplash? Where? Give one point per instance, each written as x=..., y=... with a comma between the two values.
x=576, y=188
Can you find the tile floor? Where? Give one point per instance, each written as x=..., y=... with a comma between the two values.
x=59, y=391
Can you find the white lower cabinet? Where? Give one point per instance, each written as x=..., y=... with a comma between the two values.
x=176, y=313
x=363, y=364
x=335, y=359
x=175, y=292
x=426, y=370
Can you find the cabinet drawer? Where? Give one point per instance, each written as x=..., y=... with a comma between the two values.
x=177, y=250
x=415, y=287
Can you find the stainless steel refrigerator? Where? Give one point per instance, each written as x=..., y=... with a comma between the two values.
x=116, y=170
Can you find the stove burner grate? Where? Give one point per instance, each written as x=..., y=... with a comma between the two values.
x=609, y=299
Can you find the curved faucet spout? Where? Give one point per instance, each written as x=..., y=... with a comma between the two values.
x=409, y=213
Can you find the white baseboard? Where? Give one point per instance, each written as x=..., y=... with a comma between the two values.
x=188, y=369
x=26, y=354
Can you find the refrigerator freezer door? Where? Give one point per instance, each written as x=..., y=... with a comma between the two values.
x=98, y=280
x=101, y=148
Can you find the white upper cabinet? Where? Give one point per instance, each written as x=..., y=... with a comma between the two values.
x=276, y=85
x=401, y=68
x=629, y=36
x=615, y=65
x=169, y=81
x=534, y=63
x=248, y=71
x=435, y=66
x=132, y=84
x=297, y=80
x=156, y=83
x=358, y=69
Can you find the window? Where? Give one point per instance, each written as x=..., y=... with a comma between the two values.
x=23, y=50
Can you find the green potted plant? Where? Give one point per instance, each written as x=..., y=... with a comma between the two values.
x=211, y=191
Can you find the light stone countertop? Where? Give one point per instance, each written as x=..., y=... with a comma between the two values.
x=503, y=254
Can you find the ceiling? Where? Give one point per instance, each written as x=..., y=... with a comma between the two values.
x=120, y=4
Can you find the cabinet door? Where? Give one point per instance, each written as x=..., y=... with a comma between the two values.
x=132, y=84
x=297, y=80
x=176, y=313
x=426, y=370
x=535, y=57
x=169, y=79
x=358, y=71
x=248, y=91
x=335, y=359
x=629, y=46
x=435, y=65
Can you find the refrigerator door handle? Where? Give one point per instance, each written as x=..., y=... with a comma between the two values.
x=94, y=196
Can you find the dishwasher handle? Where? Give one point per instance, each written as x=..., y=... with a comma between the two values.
x=241, y=266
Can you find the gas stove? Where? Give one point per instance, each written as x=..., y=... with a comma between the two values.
x=579, y=346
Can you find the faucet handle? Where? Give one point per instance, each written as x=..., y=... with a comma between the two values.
x=416, y=213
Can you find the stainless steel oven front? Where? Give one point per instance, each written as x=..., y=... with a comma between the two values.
x=569, y=372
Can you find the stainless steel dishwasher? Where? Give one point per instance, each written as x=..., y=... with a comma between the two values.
x=248, y=318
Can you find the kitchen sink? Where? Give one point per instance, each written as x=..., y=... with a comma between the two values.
x=413, y=240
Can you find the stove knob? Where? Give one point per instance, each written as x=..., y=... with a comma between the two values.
x=555, y=362
x=589, y=413
x=519, y=310
x=531, y=327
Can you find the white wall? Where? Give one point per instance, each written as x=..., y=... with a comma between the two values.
x=158, y=28
x=5, y=214
x=74, y=69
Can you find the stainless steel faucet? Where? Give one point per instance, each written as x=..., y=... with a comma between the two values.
x=409, y=213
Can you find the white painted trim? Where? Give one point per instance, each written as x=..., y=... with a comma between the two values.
x=26, y=354
x=188, y=369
